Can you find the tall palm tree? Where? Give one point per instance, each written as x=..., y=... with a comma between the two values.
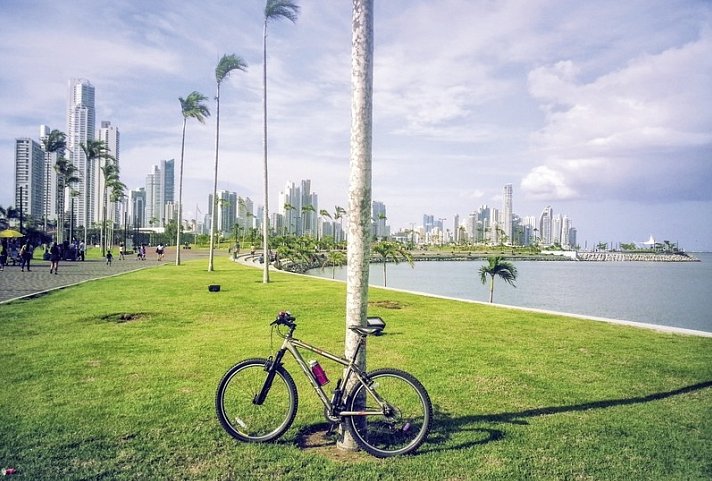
x=339, y=213
x=359, y=193
x=305, y=210
x=110, y=172
x=67, y=176
x=227, y=64
x=192, y=107
x=393, y=252
x=54, y=142
x=498, y=267
x=95, y=150
x=288, y=208
x=274, y=10
x=324, y=214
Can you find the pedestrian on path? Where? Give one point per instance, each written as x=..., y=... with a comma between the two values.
x=121, y=252
x=82, y=247
x=26, y=252
x=3, y=254
x=54, y=255
x=108, y=258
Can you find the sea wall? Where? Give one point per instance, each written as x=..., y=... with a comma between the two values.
x=633, y=257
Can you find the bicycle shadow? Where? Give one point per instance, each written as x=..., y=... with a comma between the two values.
x=446, y=425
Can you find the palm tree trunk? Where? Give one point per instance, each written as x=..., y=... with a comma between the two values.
x=359, y=186
x=492, y=289
x=385, y=277
x=265, y=212
x=214, y=217
x=180, y=192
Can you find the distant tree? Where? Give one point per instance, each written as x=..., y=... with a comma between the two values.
x=305, y=210
x=67, y=176
x=394, y=252
x=226, y=65
x=333, y=259
x=274, y=10
x=96, y=150
x=498, y=267
x=192, y=107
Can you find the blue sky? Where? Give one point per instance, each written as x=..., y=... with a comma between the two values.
x=601, y=109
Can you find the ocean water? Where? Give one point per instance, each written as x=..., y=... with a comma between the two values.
x=677, y=294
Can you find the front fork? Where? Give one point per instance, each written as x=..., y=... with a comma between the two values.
x=271, y=367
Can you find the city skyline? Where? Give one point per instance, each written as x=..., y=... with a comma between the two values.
x=593, y=108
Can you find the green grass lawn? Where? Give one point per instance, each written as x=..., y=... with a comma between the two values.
x=517, y=395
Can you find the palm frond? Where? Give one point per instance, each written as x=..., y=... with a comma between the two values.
x=276, y=9
x=193, y=107
x=227, y=64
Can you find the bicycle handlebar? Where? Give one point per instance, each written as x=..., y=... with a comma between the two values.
x=284, y=318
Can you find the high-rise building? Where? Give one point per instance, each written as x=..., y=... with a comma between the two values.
x=137, y=208
x=109, y=134
x=29, y=178
x=159, y=194
x=545, y=226
x=378, y=215
x=225, y=208
x=50, y=199
x=507, y=213
x=81, y=121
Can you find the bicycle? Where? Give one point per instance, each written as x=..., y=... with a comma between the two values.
x=387, y=411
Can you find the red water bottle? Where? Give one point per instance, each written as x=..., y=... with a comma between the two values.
x=318, y=372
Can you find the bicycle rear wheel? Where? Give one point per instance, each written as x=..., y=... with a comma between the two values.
x=406, y=422
x=241, y=417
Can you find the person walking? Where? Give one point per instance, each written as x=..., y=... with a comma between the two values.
x=26, y=252
x=81, y=250
x=55, y=254
x=121, y=252
x=109, y=257
x=3, y=254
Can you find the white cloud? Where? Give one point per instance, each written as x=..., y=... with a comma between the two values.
x=649, y=111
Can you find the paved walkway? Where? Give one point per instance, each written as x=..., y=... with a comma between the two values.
x=15, y=284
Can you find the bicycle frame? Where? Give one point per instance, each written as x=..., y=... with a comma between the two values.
x=292, y=344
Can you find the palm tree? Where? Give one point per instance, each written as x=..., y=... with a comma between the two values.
x=191, y=107
x=394, y=252
x=95, y=150
x=339, y=213
x=324, y=214
x=498, y=267
x=227, y=64
x=334, y=258
x=305, y=210
x=359, y=193
x=274, y=10
x=110, y=171
x=289, y=208
x=54, y=142
x=67, y=176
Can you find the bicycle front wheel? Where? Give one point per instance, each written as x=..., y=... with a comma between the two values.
x=405, y=421
x=241, y=417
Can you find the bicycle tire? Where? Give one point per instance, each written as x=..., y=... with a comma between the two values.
x=243, y=419
x=405, y=429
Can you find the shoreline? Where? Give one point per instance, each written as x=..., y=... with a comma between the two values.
x=251, y=261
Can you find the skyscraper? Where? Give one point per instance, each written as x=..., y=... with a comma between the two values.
x=81, y=122
x=545, y=225
x=29, y=178
x=50, y=203
x=378, y=214
x=507, y=214
x=159, y=194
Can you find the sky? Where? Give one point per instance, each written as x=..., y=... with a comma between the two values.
x=601, y=109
